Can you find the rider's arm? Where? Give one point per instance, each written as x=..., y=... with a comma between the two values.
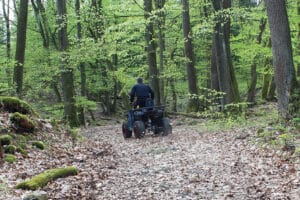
x=132, y=93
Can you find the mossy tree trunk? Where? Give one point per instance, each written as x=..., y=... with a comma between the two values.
x=20, y=46
x=66, y=71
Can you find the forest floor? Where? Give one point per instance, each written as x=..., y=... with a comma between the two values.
x=195, y=162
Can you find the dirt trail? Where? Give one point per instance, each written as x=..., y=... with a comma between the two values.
x=193, y=165
x=188, y=164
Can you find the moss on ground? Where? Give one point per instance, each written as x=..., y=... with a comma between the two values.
x=13, y=104
x=21, y=150
x=42, y=179
x=22, y=122
x=38, y=144
x=5, y=139
x=10, y=149
x=9, y=158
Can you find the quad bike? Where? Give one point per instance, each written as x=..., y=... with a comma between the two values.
x=150, y=118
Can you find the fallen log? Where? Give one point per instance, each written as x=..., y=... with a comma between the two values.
x=43, y=178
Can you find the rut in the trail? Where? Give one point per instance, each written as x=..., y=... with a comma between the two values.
x=190, y=164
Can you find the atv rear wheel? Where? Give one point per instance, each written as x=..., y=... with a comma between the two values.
x=139, y=129
x=166, y=125
x=125, y=130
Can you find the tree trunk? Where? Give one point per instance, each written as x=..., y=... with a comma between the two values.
x=298, y=48
x=161, y=40
x=20, y=46
x=252, y=87
x=81, y=115
x=271, y=90
x=282, y=53
x=174, y=95
x=267, y=78
x=151, y=52
x=6, y=14
x=67, y=72
x=214, y=69
x=225, y=72
x=193, y=104
x=233, y=82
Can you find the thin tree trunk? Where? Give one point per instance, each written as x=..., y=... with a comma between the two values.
x=298, y=51
x=267, y=78
x=6, y=14
x=193, y=105
x=214, y=68
x=81, y=115
x=151, y=52
x=172, y=82
x=67, y=72
x=233, y=82
x=20, y=47
x=271, y=90
x=174, y=95
x=252, y=87
x=161, y=40
x=282, y=53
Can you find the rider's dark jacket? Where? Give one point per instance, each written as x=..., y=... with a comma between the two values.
x=142, y=92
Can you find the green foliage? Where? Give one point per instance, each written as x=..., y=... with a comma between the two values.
x=117, y=30
x=9, y=158
x=236, y=109
x=74, y=133
x=286, y=139
x=42, y=179
x=86, y=104
x=296, y=122
x=38, y=144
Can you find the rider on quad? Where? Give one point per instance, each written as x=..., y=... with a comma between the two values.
x=145, y=116
x=142, y=92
